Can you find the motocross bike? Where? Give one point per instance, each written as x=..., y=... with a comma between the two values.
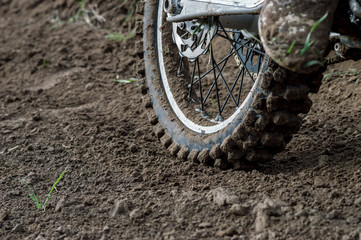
x=213, y=94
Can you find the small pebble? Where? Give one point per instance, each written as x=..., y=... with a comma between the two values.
x=323, y=160
x=36, y=117
x=319, y=182
x=40, y=237
x=18, y=228
x=106, y=228
x=353, y=220
x=222, y=196
x=262, y=236
x=119, y=207
x=133, y=148
x=334, y=214
x=59, y=204
x=239, y=210
x=4, y=216
x=205, y=225
x=139, y=132
x=89, y=86
x=59, y=229
x=135, y=214
x=227, y=232
x=357, y=201
x=301, y=213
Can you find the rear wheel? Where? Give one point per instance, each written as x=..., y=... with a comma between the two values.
x=215, y=96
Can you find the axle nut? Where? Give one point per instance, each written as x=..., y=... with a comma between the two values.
x=172, y=7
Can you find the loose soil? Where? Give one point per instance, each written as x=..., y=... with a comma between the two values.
x=60, y=107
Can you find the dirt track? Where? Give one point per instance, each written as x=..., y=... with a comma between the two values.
x=60, y=106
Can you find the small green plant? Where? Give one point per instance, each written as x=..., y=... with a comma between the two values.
x=80, y=12
x=56, y=21
x=314, y=62
x=291, y=47
x=82, y=3
x=37, y=200
x=307, y=42
x=130, y=80
x=338, y=73
x=131, y=6
x=213, y=101
x=131, y=11
x=120, y=36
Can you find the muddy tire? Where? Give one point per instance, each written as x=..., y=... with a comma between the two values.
x=258, y=128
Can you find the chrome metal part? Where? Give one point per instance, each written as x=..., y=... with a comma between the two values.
x=350, y=42
x=248, y=22
x=172, y=6
x=193, y=9
x=342, y=46
x=340, y=49
x=193, y=37
x=355, y=7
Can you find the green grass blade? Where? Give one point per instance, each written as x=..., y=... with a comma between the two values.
x=129, y=15
x=32, y=194
x=307, y=42
x=115, y=36
x=130, y=80
x=312, y=63
x=339, y=73
x=291, y=47
x=53, y=187
x=197, y=29
x=319, y=22
x=120, y=36
x=131, y=34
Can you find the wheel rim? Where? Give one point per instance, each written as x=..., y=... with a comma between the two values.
x=243, y=49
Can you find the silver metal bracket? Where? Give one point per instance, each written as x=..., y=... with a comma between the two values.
x=184, y=10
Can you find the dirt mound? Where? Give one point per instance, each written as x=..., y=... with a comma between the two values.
x=60, y=106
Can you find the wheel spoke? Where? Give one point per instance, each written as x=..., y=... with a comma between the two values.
x=233, y=86
x=216, y=77
x=219, y=80
x=239, y=57
x=215, y=82
x=180, y=68
x=200, y=88
x=243, y=44
x=224, y=59
x=240, y=88
x=224, y=81
x=235, y=82
x=191, y=84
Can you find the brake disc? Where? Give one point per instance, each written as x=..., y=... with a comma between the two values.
x=193, y=37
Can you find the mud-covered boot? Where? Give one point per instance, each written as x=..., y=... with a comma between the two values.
x=295, y=33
